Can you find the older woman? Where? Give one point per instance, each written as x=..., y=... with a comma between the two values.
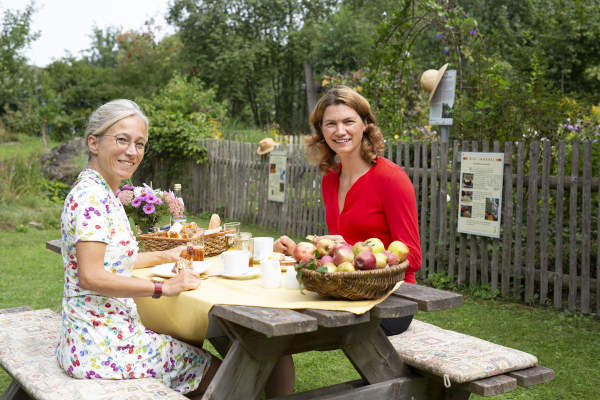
x=365, y=194
x=102, y=335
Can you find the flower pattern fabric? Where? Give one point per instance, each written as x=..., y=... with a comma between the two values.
x=103, y=337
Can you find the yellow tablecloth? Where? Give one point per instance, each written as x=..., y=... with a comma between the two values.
x=186, y=316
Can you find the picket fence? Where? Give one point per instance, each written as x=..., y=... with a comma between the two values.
x=549, y=249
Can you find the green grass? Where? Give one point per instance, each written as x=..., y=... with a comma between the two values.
x=567, y=343
x=22, y=146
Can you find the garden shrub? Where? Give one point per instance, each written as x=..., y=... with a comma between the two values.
x=180, y=115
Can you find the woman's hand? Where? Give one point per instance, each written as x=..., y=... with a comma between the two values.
x=335, y=238
x=173, y=254
x=151, y=258
x=284, y=245
x=186, y=279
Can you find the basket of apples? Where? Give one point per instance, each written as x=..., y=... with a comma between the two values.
x=363, y=271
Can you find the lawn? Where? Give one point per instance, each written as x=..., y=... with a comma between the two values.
x=567, y=343
x=22, y=146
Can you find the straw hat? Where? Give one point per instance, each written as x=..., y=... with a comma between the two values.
x=266, y=146
x=431, y=78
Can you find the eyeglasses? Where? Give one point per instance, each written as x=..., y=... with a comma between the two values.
x=124, y=142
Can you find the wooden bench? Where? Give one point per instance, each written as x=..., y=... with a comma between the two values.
x=28, y=341
x=434, y=352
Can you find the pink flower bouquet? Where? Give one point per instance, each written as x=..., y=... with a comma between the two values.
x=146, y=206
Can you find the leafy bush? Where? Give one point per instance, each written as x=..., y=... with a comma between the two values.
x=180, y=115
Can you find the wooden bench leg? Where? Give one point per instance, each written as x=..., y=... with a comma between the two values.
x=15, y=392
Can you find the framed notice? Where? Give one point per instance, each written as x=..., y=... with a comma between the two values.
x=441, y=107
x=277, y=167
x=480, y=193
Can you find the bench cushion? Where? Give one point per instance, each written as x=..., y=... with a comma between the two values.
x=460, y=357
x=27, y=352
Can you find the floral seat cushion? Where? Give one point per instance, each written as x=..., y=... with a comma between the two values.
x=459, y=357
x=27, y=352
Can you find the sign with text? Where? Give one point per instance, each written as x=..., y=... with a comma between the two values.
x=480, y=193
x=277, y=167
x=441, y=108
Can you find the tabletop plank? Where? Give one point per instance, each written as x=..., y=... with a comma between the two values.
x=269, y=321
x=332, y=319
x=394, y=307
x=429, y=299
x=54, y=245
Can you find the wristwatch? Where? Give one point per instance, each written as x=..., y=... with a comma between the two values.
x=157, y=290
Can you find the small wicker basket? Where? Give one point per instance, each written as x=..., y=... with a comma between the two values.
x=214, y=243
x=357, y=285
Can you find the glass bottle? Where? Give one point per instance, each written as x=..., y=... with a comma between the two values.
x=179, y=196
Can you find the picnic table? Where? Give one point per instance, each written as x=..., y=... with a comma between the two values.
x=252, y=339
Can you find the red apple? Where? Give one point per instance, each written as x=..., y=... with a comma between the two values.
x=326, y=259
x=392, y=258
x=304, y=251
x=365, y=260
x=338, y=245
x=325, y=246
x=343, y=254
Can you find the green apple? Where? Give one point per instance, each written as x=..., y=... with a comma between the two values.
x=331, y=267
x=380, y=260
x=346, y=267
x=359, y=247
x=375, y=244
x=399, y=249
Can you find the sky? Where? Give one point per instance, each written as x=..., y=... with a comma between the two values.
x=65, y=25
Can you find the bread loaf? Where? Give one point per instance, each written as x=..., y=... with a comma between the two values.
x=215, y=221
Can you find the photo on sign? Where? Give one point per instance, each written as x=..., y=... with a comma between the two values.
x=491, y=208
x=272, y=168
x=281, y=187
x=447, y=110
x=465, y=211
x=466, y=196
x=467, y=180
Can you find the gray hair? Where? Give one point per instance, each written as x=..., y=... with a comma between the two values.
x=110, y=113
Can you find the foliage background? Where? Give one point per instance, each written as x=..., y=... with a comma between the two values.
x=526, y=69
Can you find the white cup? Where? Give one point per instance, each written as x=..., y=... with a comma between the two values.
x=290, y=278
x=235, y=262
x=263, y=246
x=271, y=274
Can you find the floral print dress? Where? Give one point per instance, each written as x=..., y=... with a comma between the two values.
x=103, y=337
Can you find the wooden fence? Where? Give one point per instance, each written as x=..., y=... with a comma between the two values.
x=549, y=249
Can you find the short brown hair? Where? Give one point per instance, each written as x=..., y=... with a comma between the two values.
x=372, y=141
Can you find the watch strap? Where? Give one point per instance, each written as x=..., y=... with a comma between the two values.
x=157, y=290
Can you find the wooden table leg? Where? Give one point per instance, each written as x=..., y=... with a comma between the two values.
x=240, y=376
x=373, y=355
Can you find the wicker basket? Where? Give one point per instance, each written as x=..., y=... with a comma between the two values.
x=357, y=285
x=214, y=243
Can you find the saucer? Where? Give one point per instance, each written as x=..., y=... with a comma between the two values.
x=166, y=270
x=251, y=273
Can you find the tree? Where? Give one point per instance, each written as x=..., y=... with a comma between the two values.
x=15, y=75
x=253, y=53
x=105, y=47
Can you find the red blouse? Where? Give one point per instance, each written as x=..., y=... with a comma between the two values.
x=381, y=204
